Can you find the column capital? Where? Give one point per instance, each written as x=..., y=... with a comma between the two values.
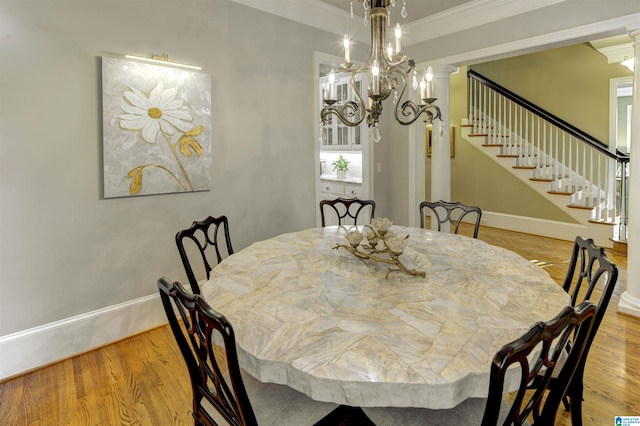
x=445, y=69
x=634, y=31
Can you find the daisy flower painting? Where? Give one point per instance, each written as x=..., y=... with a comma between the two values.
x=156, y=129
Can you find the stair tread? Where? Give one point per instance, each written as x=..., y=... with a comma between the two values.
x=601, y=222
x=507, y=155
x=525, y=167
x=560, y=192
x=478, y=134
x=574, y=206
x=541, y=179
x=491, y=144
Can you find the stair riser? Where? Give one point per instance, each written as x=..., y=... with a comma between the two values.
x=561, y=201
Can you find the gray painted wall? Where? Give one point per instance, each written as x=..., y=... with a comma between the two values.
x=64, y=249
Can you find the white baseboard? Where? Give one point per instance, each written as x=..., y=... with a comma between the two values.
x=629, y=305
x=543, y=227
x=38, y=346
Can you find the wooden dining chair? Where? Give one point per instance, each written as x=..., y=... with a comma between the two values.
x=536, y=351
x=201, y=241
x=450, y=212
x=348, y=210
x=222, y=392
x=590, y=276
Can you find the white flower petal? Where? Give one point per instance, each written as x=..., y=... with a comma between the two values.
x=176, y=104
x=182, y=112
x=174, y=116
x=167, y=96
x=177, y=116
x=354, y=237
x=179, y=124
x=156, y=95
x=369, y=234
x=396, y=244
x=137, y=98
x=133, y=109
x=132, y=122
x=150, y=130
x=167, y=127
x=381, y=224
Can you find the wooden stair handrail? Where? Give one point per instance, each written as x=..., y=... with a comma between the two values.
x=551, y=118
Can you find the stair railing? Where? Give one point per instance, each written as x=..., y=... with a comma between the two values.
x=572, y=161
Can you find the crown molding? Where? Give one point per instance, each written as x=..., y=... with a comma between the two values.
x=468, y=15
x=617, y=53
x=531, y=44
x=310, y=12
x=328, y=18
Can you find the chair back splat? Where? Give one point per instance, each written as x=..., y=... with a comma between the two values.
x=347, y=210
x=591, y=276
x=195, y=336
x=450, y=212
x=545, y=342
x=202, y=242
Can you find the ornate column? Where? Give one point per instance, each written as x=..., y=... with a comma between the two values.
x=630, y=299
x=440, y=138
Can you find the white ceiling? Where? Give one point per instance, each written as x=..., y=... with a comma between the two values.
x=416, y=9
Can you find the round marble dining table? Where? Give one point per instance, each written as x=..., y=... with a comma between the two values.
x=336, y=328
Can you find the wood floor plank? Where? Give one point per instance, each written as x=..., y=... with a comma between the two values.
x=142, y=380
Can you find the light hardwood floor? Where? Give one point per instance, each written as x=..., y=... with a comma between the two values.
x=142, y=380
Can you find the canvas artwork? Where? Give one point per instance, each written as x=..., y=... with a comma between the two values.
x=156, y=129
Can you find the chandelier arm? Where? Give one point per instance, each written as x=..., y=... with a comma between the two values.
x=403, y=60
x=401, y=73
x=414, y=111
x=409, y=109
x=345, y=111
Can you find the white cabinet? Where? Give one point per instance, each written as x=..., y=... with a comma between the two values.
x=351, y=191
x=335, y=135
x=330, y=190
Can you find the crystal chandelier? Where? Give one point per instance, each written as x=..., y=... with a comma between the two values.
x=388, y=71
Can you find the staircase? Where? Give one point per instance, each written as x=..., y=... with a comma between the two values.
x=570, y=168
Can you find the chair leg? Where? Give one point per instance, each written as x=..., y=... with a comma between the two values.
x=576, y=399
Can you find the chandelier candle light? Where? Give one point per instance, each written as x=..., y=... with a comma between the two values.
x=380, y=242
x=388, y=72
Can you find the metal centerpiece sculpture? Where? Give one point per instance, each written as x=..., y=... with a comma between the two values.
x=380, y=243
